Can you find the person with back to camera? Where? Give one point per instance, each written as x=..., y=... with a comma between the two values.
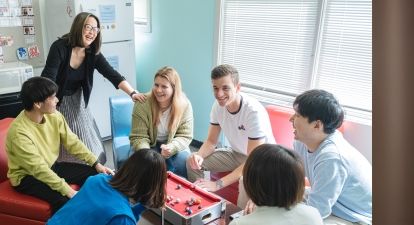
x=246, y=125
x=274, y=179
x=119, y=199
x=164, y=122
x=33, y=143
x=71, y=62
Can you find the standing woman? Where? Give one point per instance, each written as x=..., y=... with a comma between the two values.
x=164, y=122
x=71, y=62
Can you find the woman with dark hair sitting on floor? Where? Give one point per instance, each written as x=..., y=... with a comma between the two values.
x=118, y=199
x=274, y=179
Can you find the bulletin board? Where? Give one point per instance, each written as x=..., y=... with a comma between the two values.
x=21, y=32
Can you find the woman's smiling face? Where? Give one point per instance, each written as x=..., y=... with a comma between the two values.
x=90, y=31
x=162, y=90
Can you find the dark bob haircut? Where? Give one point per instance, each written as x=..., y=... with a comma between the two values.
x=36, y=89
x=143, y=178
x=274, y=176
x=320, y=105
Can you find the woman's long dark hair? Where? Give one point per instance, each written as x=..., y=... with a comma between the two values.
x=143, y=178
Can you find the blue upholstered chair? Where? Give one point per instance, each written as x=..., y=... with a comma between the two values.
x=121, y=116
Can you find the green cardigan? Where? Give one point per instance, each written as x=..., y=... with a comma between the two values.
x=144, y=134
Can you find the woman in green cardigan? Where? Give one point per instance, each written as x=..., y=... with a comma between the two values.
x=165, y=121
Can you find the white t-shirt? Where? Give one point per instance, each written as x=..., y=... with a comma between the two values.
x=251, y=121
x=300, y=214
x=162, y=128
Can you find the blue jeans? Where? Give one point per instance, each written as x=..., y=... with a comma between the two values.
x=176, y=163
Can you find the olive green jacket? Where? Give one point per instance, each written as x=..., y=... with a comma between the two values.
x=144, y=134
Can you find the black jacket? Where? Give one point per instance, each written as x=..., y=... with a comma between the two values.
x=57, y=65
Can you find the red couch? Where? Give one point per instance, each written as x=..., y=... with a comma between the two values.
x=281, y=126
x=16, y=208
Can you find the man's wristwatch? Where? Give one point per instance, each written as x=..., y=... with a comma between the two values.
x=133, y=93
x=219, y=184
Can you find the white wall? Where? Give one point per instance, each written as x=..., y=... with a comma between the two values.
x=360, y=136
x=38, y=70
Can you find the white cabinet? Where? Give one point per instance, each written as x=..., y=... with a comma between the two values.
x=103, y=88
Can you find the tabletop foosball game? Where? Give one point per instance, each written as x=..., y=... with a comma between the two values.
x=187, y=204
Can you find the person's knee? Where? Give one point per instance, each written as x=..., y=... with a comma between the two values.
x=183, y=155
x=187, y=163
x=180, y=159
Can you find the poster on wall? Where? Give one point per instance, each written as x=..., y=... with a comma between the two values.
x=20, y=24
x=33, y=51
x=22, y=54
x=29, y=30
x=6, y=40
x=27, y=11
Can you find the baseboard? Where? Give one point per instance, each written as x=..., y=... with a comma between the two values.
x=196, y=143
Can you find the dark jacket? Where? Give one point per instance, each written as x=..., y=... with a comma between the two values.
x=57, y=65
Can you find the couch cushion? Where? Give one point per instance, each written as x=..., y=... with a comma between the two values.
x=281, y=126
x=4, y=127
x=9, y=219
x=20, y=205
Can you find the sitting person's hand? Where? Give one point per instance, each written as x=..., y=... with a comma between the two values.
x=250, y=207
x=195, y=160
x=139, y=97
x=206, y=185
x=103, y=169
x=165, y=151
x=72, y=193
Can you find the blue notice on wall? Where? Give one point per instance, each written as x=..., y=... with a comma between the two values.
x=107, y=13
x=113, y=61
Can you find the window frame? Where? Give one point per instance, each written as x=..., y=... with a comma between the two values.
x=278, y=97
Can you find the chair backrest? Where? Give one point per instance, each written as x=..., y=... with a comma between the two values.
x=281, y=126
x=120, y=115
x=4, y=127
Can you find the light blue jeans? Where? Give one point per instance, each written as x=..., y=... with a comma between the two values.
x=176, y=163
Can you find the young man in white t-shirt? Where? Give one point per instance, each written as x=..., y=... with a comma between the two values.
x=245, y=124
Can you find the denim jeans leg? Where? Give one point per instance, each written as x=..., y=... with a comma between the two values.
x=178, y=161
